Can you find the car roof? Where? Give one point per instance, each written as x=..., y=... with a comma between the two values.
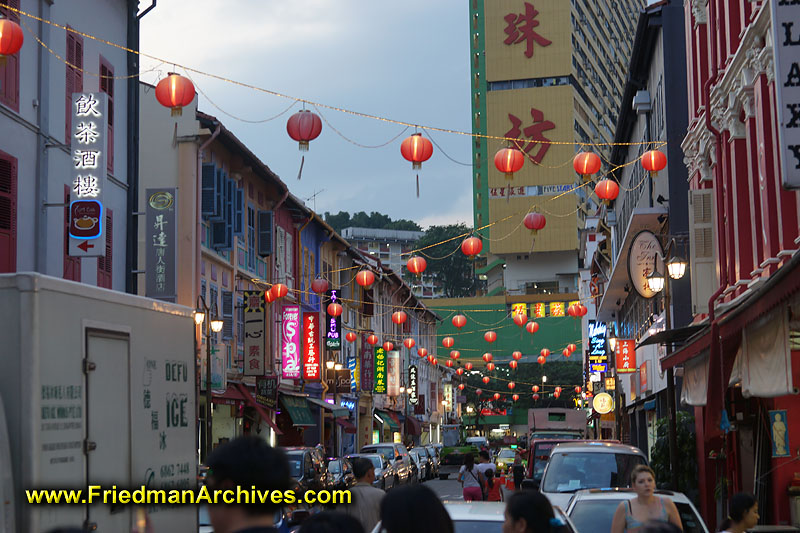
x=487, y=511
x=380, y=444
x=624, y=493
x=596, y=446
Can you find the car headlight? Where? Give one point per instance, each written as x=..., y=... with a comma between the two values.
x=500, y=463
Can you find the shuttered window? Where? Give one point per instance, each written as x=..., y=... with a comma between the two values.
x=8, y=213
x=107, y=86
x=105, y=264
x=702, y=264
x=9, y=72
x=74, y=77
x=72, y=265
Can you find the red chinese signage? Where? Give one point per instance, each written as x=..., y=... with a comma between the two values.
x=626, y=356
x=643, y=376
x=534, y=132
x=521, y=28
x=311, y=355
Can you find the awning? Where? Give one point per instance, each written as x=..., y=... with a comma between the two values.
x=231, y=396
x=348, y=427
x=650, y=405
x=337, y=410
x=672, y=336
x=265, y=416
x=387, y=420
x=298, y=410
x=413, y=426
x=395, y=418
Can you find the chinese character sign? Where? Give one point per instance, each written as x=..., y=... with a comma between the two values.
x=611, y=384
x=267, y=391
x=380, y=371
x=161, y=235
x=219, y=381
x=254, y=334
x=643, y=376
x=785, y=39
x=413, y=389
x=367, y=365
x=88, y=147
x=626, y=356
x=521, y=27
x=519, y=309
x=603, y=403
x=311, y=356
x=534, y=133
x=539, y=310
x=448, y=397
x=393, y=372
x=290, y=342
x=333, y=324
x=556, y=308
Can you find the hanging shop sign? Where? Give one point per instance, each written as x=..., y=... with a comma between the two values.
x=644, y=255
x=254, y=333
x=367, y=365
x=352, y=367
x=611, y=384
x=519, y=309
x=448, y=397
x=557, y=309
x=380, y=371
x=626, y=356
x=539, y=310
x=393, y=373
x=643, y=377
x=219, y=381
x=290, y=342
x=603, y=403
x=88, y=146
x=311, y=356
x=161, y=243
x=333, y=324
x=413, y=389
x=785, y=38
x=598, y=357
x=267, y=391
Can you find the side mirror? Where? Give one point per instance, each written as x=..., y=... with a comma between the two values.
x=530, y=484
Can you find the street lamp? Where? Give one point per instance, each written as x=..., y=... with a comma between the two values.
x=213, y=324
x=330, y=364
x=544, y=379
x=676, y=267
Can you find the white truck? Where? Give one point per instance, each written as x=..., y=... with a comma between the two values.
x=556, y=423
x=97, y=388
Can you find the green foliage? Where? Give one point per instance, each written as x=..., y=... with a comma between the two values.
x=374, y=220
x=450, y=269
x=687, y=454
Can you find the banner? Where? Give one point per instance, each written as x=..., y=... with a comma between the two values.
x=413, y=391
x=254, y=334
x=290, y=342
x=311, y=357
x=393, y=373
x=267, y=391
x=626, y=356
x=161, y=236
x=380, y=371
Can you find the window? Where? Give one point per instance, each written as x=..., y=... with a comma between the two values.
x=72, y=265
x=9, y=73
x=107, y=86
x=251, y=238
x=105, y=264
x=74, y=77
x=8, y=213
x=239, y=321
x=203, y=288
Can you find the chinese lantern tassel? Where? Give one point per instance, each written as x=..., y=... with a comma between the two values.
x=417, y=185
x=177, y=112
x=300, y=172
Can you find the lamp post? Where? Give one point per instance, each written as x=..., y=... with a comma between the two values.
x=210, y=317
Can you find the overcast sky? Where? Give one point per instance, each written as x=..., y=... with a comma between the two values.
x=406, y=61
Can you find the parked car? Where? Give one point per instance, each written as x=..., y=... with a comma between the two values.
x=340, y=472
x=384, y=474
x=307, y=469
x=538, y=455
x=587, y=465
x=397, y=455
x=419, y=464
x=433, y=452
x=592, y=511
x=424, y=455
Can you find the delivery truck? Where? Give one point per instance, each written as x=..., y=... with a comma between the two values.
x=97, y=388
x=556, y=423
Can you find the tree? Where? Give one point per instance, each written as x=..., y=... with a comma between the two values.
x=450, y=269
x=374, y=220
x=687, y=451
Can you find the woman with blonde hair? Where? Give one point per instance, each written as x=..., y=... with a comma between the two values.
x=632, y=515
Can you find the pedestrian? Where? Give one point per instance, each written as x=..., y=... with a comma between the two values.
x=331, y=522
x=492, y=487
x=530, y=512
x=518, y=468
x=471, y=479
x=631, y=515
x=246, y=462
x=414, y=509
x=365, y=504
x=742, y=514
x=485, y=466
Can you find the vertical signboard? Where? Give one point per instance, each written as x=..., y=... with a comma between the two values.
x=380, y=371
x=267, y=391
x=626, y=356
x=598, y=357
x=333, y=324
x=219, y=381
x=557, y=309
x=539, y=310
x=643, y=376
x=352, y=367
x=644, y=256
x=367, y=365
x=254, y=334
x=448, y=397
x=311, y=363
x=88, y=146
x=290, y=342
x=786, y=48
x=413, y=390
x=161, y=237
x=393, y=373
x=519, y=309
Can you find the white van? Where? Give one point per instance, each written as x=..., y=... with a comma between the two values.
x=477, y=441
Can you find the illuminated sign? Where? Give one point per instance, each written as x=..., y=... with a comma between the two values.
x=413, y=390
x=254, y=333
x=539, y=310
x=352, y=366
x=393, y=372
x=557, y=309
x=611, y=384
x=161, y=244
x=311, y=361
x=350, y=404
x=290, y=342
x=519, y=309
x=367, y=365
x=333, y=324
x=626, y=356
x=598, y=357
x=448, y=397
x=379, y=386
x=603, y=403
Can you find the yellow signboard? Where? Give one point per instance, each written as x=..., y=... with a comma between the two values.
x=539, y=310
x=557, y=309
x=519, y=309
x=610, y=384
x=603, y=403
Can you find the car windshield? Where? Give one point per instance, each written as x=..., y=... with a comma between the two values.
x=541, y=453
x=573, y=471
x=387, y=452
x=507, y=454
x=595, y=516
x=478, y=526
x=421, y=451
x=562, y=436
x=334, y=467
x=295, y=465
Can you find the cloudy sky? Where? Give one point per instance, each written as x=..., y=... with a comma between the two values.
x=406, y=61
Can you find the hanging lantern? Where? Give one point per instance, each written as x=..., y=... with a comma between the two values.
x=434, y=361
x=577, y=390
x=449, y=363
x=558, y=390
x=335, y=309
x=269, y=296
x=304, y=126
x=416, y=149
x=653, y=161
x=478, y=392
x=508, y=161
x=571, y=347
x=459, y=371
x=409, y=343
x=388, y=346
x=422, y=352
x=583, y=309
x=541, y=359
x=586, y=164
x=461, y=386
x=515, y=397
x=490, y=336
x=573, y=311
x=416, y=265
x=516, y=356
x=351, y=337
x=535, y=397
x=487, y=357
x=532, y=327
x=11, y=39
x=455, y=354
x=513, y=365
x=448, y=342
x=459, y=321
x=399, y=317
x=319, y=285
x=556, y=394
x=471, y=247
x=430, y=358
x=511, y=385
x=545, y=352
x=565, y=352
x=496, y=396
x=535, y=388
x=372, y=339
x=279, y=290
x=520, y=320
x=534, y=222
x=607, y=190
x=365, y=278
x=175, y=92
x=490, y=367
x=485, y=379
x=468, y=366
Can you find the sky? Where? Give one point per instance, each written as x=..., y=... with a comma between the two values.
x=406, y=61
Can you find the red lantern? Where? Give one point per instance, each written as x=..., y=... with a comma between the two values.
x=351, y=337
x=459, y=321
x=434, y=361
x=535, y=388
x=490, y=336
x=461, y=386
x=335, y=309
x=532, y=327
x=556, y=394
x=508, y=161
x=586, y=164
x=459, y=371
x=545, y=352
x=571, y=347
x=388, y=346
x=517, y=356
x=485, y=379
x=513, y=364
x=534, y=222
x=319, y=285
x=409, y=343
x=653, y=161
x=468, y=366
x=478, y=392
x=304, y=126
x=496, y=396
x=449, y=363
x=448, y=342
x=511, y=385
x=416, y=149
x=269, y=296
x=399, y=317
x=558, y=390
x=565, y=352
x=417, y=265
x=520, y=320
x=607, y=190
x=577, y=390
x=365, y=278
x=431, y=359
x=175, y=92
x=372, y=339
x=279, y=290
x=535, y=397
x=515, y=397
x=490, y=367
x=471, y=247
x=455, y=354
x=583, y=309
x=11, y=38
x=487, y=357
x=572, y=310
x=541, y=359
x=422, y=352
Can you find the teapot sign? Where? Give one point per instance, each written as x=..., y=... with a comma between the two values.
x=86, y=219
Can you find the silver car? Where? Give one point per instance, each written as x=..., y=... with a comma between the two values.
x=397, y=455
x=384, y=474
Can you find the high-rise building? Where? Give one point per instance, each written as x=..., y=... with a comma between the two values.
x=550, y=73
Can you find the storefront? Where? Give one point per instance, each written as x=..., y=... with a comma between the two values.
x=387, y=426
x=294, y=419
